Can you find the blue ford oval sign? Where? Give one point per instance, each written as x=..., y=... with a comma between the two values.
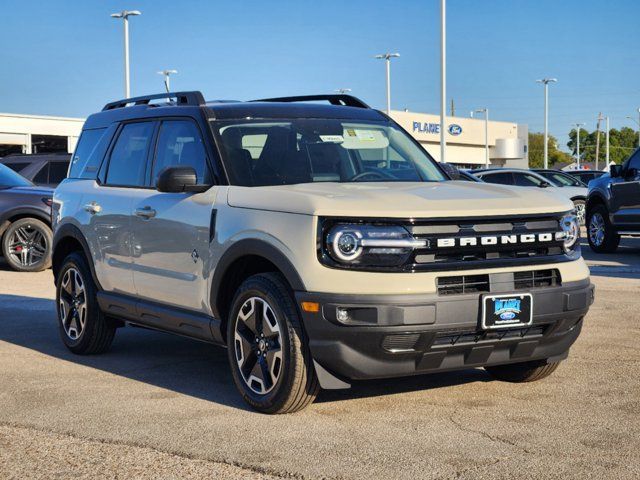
x=455, y=129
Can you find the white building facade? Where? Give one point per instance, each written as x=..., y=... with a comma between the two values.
x=508, y=142
x=38, y=133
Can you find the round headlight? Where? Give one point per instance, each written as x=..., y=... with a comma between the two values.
x=570, y=226
x=346, y=244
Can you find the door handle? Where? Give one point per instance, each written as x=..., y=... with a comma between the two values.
x=93, y=208
x=145, y=212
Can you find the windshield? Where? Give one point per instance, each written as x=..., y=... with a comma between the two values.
x=9, y=178
x=562, y=180
x=286, y=152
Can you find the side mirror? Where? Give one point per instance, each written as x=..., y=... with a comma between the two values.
x=615, y=171
x=544, y=185
x=178, y=180
x=451, y=171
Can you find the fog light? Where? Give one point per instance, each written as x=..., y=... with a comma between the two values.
x=342, y=314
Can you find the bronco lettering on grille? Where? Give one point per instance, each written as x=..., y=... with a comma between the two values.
x=451, y=242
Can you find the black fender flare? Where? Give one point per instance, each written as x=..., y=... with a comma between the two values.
x=69, y=230
x=259, y=248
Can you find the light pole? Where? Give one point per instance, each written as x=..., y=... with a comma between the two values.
x=124, y=15
x=578, y=125
x=387, y=57
x=342, y=91
x=486, y=135
x=546, y=82
x=166, y=74
x=606, y=155
x=443, y=79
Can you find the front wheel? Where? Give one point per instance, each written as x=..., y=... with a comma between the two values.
x=523, y=372
x=269, y=358
x=581, y=211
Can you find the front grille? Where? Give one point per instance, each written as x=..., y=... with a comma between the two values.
x=471, y=337
x=503, y=236
x=536, y=279
x=527, y=280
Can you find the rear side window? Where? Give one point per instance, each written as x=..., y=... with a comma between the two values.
x=86, y=160
x=15, y=166
x=57, y=172
x=503, y=178
x=180, y=144
x=129, y=155
x=524, y=180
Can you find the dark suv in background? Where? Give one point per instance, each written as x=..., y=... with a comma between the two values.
x=613, y=205
x=45, y=170
x=25, y=222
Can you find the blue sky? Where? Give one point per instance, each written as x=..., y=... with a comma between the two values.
x=65, y=57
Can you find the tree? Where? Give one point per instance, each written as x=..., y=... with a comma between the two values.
x=536, y=151
x=621, y=144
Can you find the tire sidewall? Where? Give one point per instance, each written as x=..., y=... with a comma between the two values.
x=255, y=288
x=76, y=261
x=48, y=237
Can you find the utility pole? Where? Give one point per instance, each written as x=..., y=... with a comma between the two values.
x=607, y=137
x=486, y=135
x=124, y=15
x=443, y=80
x=387, y=57
x=546, y=82
x=598, y=139
x=578, y=125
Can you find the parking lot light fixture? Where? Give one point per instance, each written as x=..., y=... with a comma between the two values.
x=166, y=74
x=387, y=58
x=546, y=82
x=124, y=15
x=578, y=126
x=486, y=134
x=342, y=91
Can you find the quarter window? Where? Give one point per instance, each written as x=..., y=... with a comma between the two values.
x=129, y=155
x=83, y=159
x=180, y=144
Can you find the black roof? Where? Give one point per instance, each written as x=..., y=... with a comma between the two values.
x=192, y=104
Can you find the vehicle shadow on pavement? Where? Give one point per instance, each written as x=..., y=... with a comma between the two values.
x=174, y=363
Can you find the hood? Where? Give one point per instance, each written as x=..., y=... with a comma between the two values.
x=31, y=190
x=399, y=200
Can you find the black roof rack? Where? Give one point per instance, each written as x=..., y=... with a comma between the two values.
x=333, y=99
x=182, y=98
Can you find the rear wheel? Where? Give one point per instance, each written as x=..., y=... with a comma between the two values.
x=26, y=245
x=600, y=233
x=269, y=358
x=84, y=329
x=581, y=211
x=523, y=372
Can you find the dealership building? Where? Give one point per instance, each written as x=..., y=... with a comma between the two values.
x=38, y=133
x=465, y=137
x=508, y=142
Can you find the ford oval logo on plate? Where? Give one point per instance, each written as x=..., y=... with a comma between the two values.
x=507, y=316
x=455, y=129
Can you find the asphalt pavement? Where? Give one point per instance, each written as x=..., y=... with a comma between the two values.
x=160, y=406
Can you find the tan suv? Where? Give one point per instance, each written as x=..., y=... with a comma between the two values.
x=320, y=243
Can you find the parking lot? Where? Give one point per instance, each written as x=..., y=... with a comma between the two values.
x=159, y=406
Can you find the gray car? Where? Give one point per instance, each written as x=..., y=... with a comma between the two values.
x=25, y=222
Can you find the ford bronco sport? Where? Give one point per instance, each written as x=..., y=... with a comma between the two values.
x=320, y=243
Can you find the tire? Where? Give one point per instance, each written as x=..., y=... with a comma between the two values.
x=581, y=211
x=268, y=353
x=26, y=245
x=83, y=327
x=601, y=235
x=523, y=372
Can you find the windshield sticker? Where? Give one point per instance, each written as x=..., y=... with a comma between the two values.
x=365, y=135
x=351, y=132
x=332, y=138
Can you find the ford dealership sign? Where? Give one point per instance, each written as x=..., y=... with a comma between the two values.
x=434, y=128
x=455, y=129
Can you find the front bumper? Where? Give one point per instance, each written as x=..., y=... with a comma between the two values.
x=400, y=335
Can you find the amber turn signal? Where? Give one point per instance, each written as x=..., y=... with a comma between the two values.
x=311, y=307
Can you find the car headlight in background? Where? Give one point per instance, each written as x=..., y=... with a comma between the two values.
x=370, y=245
x=570, y=232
